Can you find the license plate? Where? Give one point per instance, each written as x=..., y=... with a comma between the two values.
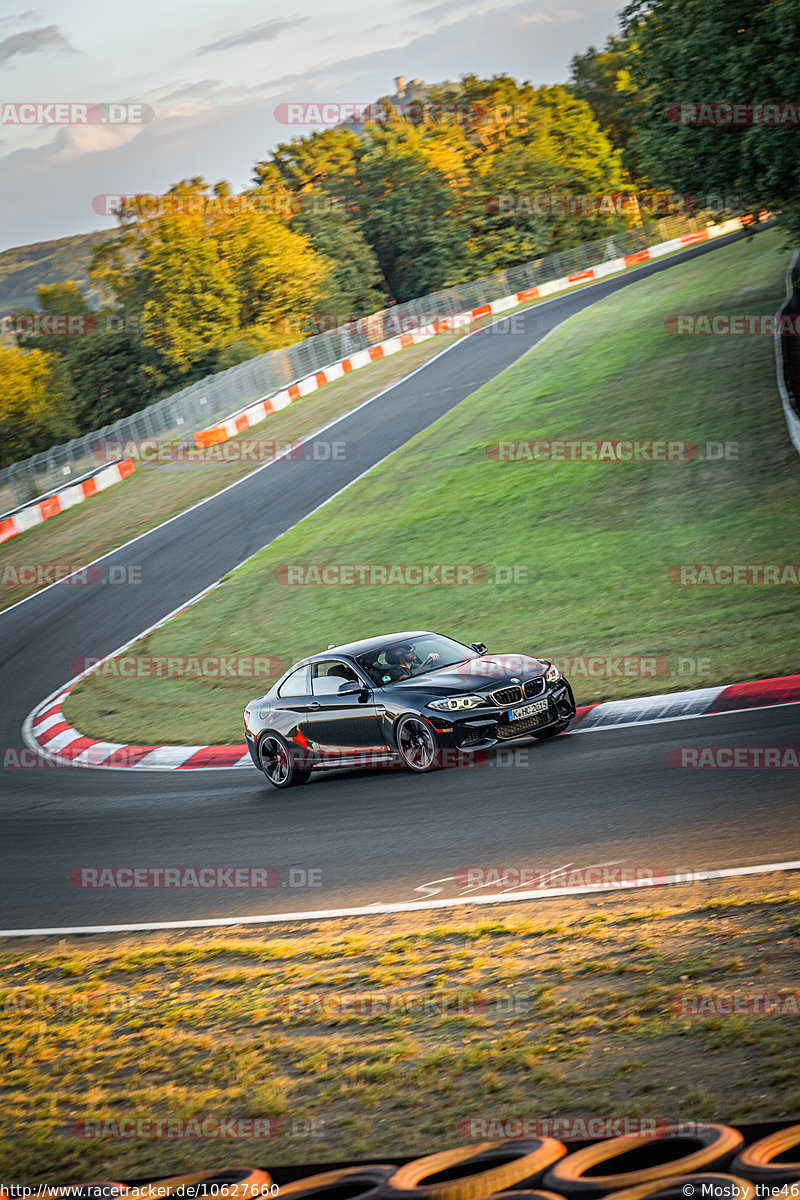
x=527, y=710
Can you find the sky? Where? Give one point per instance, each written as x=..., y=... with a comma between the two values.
x=198, y=86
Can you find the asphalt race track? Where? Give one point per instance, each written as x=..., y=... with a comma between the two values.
x=606, y=796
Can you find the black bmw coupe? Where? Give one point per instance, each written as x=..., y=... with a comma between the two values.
x=414, y=699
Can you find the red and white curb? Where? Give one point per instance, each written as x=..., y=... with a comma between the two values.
x=68, y=497
x=255, y=413
x=733, y=697
x=49, y=734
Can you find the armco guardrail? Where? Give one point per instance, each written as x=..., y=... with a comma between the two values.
x=787, y=353
x=253, y=414
x=217, y=396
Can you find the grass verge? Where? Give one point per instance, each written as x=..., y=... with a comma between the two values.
x=593, y=541
x=582, y=1018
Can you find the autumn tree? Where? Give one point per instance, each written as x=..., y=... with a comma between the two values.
x=34, y=413
x=352, y=286
x=602, y=78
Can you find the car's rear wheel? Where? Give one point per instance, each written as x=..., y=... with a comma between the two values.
x=417, y=744
x=277, y=761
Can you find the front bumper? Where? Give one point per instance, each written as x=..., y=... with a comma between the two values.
x=486, y=727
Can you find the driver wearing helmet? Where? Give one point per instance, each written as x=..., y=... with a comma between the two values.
x=406, y=661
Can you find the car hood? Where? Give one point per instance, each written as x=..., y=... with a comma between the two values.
x=478, y=674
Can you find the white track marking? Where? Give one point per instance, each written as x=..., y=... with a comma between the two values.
x=368, y=910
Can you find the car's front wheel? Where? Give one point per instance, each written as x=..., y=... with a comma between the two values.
x=417, y=744
x=277, y=761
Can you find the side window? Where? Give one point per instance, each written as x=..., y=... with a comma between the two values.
x=329, y=677
x=298, y=683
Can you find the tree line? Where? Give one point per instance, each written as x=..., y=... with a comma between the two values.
x=348, y=220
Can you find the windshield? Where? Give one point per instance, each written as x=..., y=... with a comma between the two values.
x=403, y=659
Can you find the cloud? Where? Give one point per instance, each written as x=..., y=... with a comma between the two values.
x=31, y=41
x=439, y=10
x=32, y=14
x=74, y=141
x=267, y=32
x=566, y=14
x=206, y=91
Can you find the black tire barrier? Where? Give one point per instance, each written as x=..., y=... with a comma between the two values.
x=345, y=1183
x=760, y=1162
x=724, y=1187
x=638, y=1159
x=471, y=1172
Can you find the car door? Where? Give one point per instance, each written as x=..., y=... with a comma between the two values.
x=294, y=702
x=342, y=723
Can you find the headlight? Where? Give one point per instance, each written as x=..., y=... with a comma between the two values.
x=454, y=703
x=552, y=673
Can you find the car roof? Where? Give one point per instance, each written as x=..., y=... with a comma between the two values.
x=353, y=649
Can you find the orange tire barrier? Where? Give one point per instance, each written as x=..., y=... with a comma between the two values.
x=733, y=1188
x=638, y=1159
x=758, y=1162
x=522, y=1195
x=490, y=1167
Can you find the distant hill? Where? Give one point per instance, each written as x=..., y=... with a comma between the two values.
x=24, y=268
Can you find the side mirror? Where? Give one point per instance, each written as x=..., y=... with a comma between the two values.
x=351, y=687
x=478, y=647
